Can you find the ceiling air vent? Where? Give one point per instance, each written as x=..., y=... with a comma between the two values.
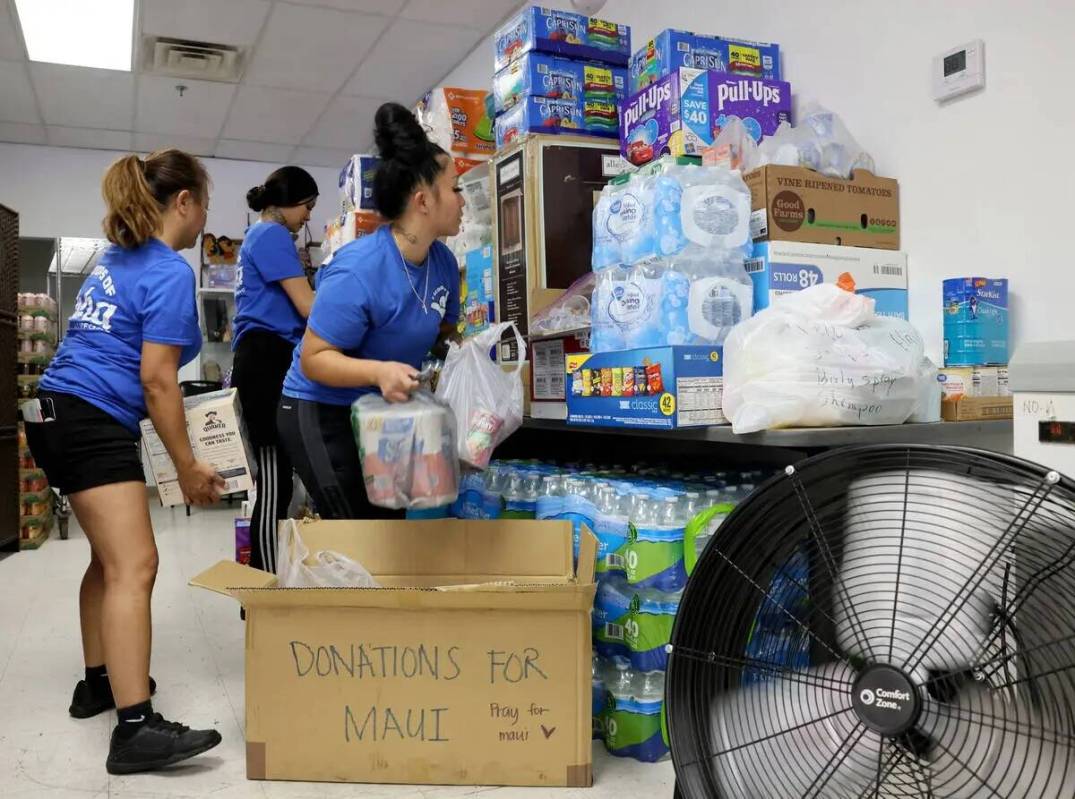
x=180, y=58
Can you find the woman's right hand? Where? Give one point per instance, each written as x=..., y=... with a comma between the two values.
x=200, y=483
x=396, y=381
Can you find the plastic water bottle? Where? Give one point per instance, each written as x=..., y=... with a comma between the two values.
x=622, y=686
x=690, y=505
x=651, y=687
x=668, y=514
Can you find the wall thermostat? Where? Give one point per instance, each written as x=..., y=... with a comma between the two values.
x=959, y=70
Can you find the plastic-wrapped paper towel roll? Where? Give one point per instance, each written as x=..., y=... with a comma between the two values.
x=407, y=451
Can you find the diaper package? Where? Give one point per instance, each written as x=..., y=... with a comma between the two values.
x=407, y=451
x=548, y=115
x=671, y=49
x=820, y=141
x=544, y=75
x=670, y=244
x=459, y=121
x=563, y=33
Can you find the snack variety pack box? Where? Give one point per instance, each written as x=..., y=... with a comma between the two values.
x=657, y=387
x=546, y=115
x=563, y=33
x=672, y=49
x=544, y=75
x=975, y=321
x=682, y=113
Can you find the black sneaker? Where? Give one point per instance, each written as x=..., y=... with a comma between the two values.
x=86, y=703
x=157, y=743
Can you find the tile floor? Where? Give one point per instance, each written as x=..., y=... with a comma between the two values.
x=198, y=662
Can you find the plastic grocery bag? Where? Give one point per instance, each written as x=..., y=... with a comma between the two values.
x=296, y=568
x=820, y=142
x=821, y=357
x=407, y=451
x=486, y=400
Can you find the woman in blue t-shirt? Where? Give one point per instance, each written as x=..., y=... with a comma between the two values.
x=272, y=300
x=382, y=303
x=135, y=323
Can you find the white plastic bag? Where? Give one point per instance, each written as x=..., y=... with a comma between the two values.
x=734, y=148
x=295, y=568
x=820, y=142
x=821, y=357
x=486, y=400
x=407, y=451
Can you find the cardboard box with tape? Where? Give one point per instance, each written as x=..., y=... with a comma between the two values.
x=792, y=203
x=470, y=665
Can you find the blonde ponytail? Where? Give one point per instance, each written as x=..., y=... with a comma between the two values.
x=136, y=192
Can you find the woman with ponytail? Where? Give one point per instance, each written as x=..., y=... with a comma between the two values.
x=382, y=303
x=272, y=301
x=135, y=323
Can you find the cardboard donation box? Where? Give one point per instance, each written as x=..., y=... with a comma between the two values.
x=217, y=436
x=469, y=665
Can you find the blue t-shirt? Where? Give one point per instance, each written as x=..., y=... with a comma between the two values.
x=136, y=295
x=367, y=306
x=267, y=256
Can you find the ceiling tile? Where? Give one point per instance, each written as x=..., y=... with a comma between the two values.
x=10, y=46
x=347, y=121
x=200, y=112
x=253, y=151
x=321, y=156
x=59, y=136
x=16, y=96
x=311, y=48
x=273, y=115
x=84, y=98
x=230, y=22
x=411, y=58
x=195, y=145
x=389, y=7
x=22, y=134
x=479, y=14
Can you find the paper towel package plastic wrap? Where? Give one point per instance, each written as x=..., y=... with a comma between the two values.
x=407, y=451
x=821, y=357
x=669, y=252
x=459, y=120
x=356, y=183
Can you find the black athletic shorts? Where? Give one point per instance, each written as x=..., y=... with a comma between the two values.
x=82, y=447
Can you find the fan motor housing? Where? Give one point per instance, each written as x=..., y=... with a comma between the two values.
x=886, y=700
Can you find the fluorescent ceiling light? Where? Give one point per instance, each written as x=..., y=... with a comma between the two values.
x=81, y=33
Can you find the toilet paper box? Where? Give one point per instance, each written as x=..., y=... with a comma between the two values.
x=671, y=49
x=782, y=267
x=654, y=387
x=544, y=75
x=683, y=112
x=563, y=33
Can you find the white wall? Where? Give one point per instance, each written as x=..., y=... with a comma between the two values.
x=985, y=180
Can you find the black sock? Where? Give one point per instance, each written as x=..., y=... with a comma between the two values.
x=97, y=680
x=132, y=718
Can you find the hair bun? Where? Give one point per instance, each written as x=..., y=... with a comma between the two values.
x=398, y=135
x=255, y=198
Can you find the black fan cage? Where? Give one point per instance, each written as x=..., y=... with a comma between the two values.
x=882, y=622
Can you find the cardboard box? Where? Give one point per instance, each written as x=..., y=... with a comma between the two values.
x=977, y=409
x=681, y=387
x=548, y=371
x=217, y=436
x=973, y=381
x=792, y=203
x=975, y=321
x=671, y=49
x=551, y=116
x=544, y=75
x=782, y=267
x=469, y=666
x=543, y=221
x=563, y=33
x=683, y=112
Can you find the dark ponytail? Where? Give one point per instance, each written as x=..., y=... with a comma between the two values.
x=136, y=192
x=408, y=159
x=287, y=187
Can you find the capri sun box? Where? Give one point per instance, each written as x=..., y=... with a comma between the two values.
x=470, y=665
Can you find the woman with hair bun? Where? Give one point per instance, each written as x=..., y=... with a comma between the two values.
x=382, y=303
x=272, y=301
x=135, y=323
